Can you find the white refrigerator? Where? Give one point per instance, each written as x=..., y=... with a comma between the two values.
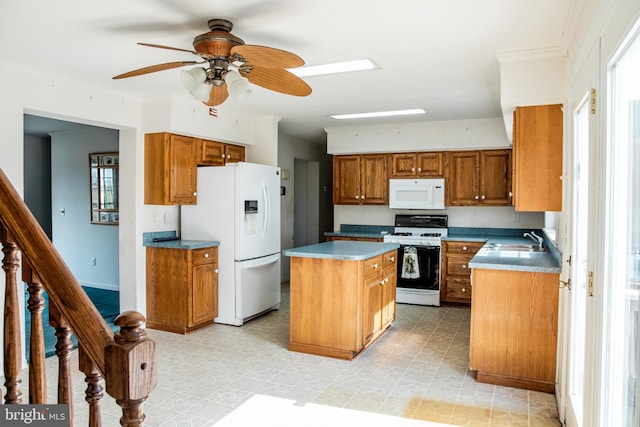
x=239, y=206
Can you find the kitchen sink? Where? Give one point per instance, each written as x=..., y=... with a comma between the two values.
x=514, y=247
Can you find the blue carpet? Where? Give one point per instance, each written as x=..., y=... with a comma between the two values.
x=107, y=303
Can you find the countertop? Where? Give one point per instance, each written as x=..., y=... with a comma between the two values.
x=342, y=250
x=147, y=240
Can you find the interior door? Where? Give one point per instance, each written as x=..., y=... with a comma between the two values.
x=621, y=383
x=577, y=306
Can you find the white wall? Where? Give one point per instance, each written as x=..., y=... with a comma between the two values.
x=73, y=235
x=418, y=136
x=459, y=216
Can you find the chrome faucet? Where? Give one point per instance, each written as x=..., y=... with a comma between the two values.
x=533, y=236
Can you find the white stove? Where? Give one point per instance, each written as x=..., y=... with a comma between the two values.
x=420, y=238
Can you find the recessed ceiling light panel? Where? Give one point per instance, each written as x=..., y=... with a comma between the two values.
x=334, y=68
x=379, y=114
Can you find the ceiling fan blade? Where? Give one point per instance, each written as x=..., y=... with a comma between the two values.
x=269, y=57
x=169, y=47
x=218, y=95
x=154, y=68
x=277, y=79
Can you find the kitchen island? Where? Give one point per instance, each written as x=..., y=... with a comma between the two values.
x=514, y=315
x=342, y=296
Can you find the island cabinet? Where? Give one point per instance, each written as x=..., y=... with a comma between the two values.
x=455, y=286
x=339, y=307
x=169, y=169
x=360, y=179
x=537, y=158
x=182, y=288
x=514, y=328
x=418, y=165
x=478, y=178
x=215, y=153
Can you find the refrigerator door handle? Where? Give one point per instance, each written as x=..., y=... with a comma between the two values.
x=262, y=264
x=267, y=210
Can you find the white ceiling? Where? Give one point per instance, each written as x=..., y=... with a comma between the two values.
x=439, y=55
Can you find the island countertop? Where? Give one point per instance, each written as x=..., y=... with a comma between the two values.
x=342, y=250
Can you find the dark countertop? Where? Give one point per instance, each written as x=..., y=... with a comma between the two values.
x=169, y=240
x=342, y=250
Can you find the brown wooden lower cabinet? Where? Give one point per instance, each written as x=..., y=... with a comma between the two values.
x=514, y=328
x=455, y=286
x=339, y=307
x=182, y=288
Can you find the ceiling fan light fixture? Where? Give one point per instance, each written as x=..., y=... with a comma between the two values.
x=379, y=114
x=236, y=84
x=190, y=79
x=201, y=92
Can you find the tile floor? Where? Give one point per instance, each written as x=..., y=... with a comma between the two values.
x=417, y=370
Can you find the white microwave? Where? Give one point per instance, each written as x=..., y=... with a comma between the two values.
x=416, y=193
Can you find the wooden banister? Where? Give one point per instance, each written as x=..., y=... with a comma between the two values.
x=62, y=287
x=125, y=360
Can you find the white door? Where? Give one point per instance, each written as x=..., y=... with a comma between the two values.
x=576, y=376
x=621, y=387
x=257, y=210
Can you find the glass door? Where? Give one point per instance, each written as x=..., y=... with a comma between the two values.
x=622, y=243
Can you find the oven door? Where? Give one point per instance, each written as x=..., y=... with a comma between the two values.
x=419, y=267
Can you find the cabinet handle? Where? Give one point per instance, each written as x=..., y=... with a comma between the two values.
x=413, y=169
x=464, y=290
x=476, y=197
x=357, y=197
x=464, y=266
x=510, y=194
x=375, y=265
x=419, y=169
x=483, y=197
x=223, y=156
x=216, y=271
x=464, y=248
x=392, y=259
x=195, y=194
x=381, y=282
x=206, y=255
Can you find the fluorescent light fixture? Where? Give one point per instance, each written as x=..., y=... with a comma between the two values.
x=380, y=114
x=335, y=68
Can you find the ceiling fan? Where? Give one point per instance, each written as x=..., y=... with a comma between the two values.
x=230, y=66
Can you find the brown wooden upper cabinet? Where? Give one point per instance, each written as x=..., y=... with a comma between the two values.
x=214, y=153
x=360, y=179
x=537, y=158
x=478, y=178
x=169, y=169
x=408, y=165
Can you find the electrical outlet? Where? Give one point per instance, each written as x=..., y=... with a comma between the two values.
x=93, y=261
x=474, y=216
x=516, y=217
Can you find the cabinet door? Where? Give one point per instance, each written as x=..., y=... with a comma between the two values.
x=211, y=153
x=374, y=179
x=403, y=165
x=429, y=164
x=537, y=146
x=495, y=177
x=463, y=178
x=234, y=153
x=389, y=278
x=204, y=293
x=346, y=180
x=183, y=172
x=372, y=322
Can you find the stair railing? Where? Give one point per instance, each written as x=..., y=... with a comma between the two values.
x=126, y=361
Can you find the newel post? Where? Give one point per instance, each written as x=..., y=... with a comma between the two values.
x=130, y=367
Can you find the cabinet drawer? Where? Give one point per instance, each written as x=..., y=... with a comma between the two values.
x=459, y=290
x=458, y=264
x=389, y=259
x=205, y=255
x=372, y=266
x=462, y=247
